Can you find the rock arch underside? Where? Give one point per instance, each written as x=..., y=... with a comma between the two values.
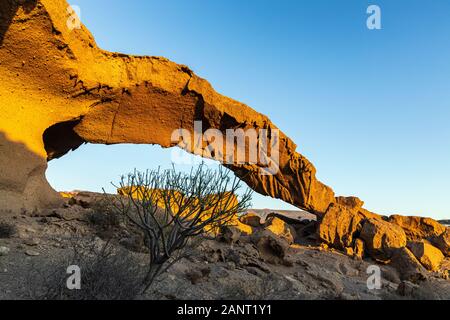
x=58, y=90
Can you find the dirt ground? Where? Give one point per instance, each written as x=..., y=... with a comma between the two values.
x=213, y=269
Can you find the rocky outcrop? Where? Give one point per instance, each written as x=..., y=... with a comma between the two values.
x=382, y=237
x=272, y=225
x=411, y=243
x=281, y=229
x=418, y=227
x=443, y=242
x=407, y=265
x=60, y=90
x=339, y=226
x=251, y=219
x=430, y=257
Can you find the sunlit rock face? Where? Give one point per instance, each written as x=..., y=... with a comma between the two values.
x=59, y=90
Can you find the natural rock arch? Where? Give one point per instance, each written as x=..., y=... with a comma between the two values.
x=60, y=90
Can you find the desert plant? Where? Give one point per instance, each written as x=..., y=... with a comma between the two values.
x=103, y=214
x=7, y=230
x=107, y=273
x=173, y=207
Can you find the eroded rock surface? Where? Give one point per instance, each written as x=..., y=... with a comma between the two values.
x=382, y=238
x=429, y=256
x=418, y=227
x=60, y=90
x=339, y=226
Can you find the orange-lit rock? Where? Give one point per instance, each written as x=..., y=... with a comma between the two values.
x=359, y=249
x=417, y=228
x=140, y=193
x=225, y=203
x=243, y=228
x=429, y=256
x=382, y=238
x=353, y=203
x=281, y=229
x=251, y=219
x=60, y=90
x=339, y=225
x=443, y=242
x=407, y=265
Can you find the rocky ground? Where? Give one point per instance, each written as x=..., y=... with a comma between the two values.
x=271, y=263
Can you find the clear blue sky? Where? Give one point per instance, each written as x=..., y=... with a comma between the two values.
x=370, y=109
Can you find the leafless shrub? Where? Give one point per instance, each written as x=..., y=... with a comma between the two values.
x=107, y=273
x=106, y=221
x=7, y=230
x=104, y=214
x=172, y=207
x=267, y=287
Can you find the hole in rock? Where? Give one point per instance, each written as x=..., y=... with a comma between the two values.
x=61, y=138
x=94, y=166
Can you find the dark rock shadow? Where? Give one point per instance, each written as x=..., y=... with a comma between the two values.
x=60, y=138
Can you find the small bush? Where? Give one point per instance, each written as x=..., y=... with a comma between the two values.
x=172, y=208
x=107, y=273
x=104, y=215
x=104, y=220
x=7, y=230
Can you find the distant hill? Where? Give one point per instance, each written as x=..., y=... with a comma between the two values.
x=445, y=222
x=289, y=214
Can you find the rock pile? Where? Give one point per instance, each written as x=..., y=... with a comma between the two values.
x=410, y=244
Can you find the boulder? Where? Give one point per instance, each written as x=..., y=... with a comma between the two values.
x=251, y=219
x=243, y=228
x=443, y=242
x=382, y=237
x=270, y=246
x=85, y=199
x=429, y=256
x=339, y=225
x=281, y=229
x=229, y=234
x=4, y=251
x=417, y=228
x=407, y=266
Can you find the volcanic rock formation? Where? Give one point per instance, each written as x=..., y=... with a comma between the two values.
x=60, y=90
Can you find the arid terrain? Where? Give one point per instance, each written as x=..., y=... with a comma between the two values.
x=235, y=266
x=60, y=90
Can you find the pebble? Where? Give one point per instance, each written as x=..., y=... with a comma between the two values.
x=32, y=242
x=32, y=253
x=4, y=251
